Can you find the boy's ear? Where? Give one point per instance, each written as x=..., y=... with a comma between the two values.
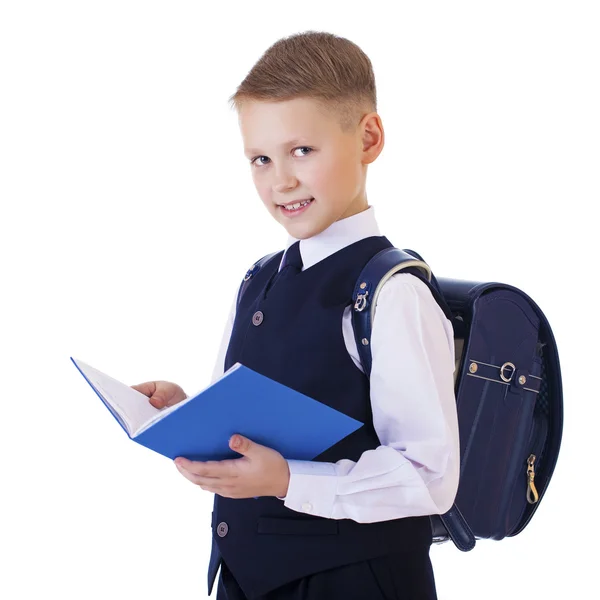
x=373, y=137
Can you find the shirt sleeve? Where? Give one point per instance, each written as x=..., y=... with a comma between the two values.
x=219, y=367
x=415, y=470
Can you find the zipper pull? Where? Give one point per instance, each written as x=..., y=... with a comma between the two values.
x=531, y=491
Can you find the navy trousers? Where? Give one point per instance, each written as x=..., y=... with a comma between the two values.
x=400, y=576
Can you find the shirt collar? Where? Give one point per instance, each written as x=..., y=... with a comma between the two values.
x=337, y=236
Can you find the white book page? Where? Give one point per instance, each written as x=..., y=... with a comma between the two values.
x=133, y=406
x=169, y=409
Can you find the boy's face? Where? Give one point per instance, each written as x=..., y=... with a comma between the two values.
x=298, y=152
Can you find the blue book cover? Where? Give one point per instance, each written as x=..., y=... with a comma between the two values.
x=241, y=401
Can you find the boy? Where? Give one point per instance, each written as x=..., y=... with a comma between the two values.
x=352, y=524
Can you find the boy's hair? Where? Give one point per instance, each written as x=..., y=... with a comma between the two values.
x=331, y=70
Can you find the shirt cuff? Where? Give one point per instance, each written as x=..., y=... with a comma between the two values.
x=312, y=488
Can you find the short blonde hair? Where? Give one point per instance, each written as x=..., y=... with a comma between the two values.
x=318, y=65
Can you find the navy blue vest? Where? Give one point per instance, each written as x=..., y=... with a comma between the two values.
x=299, y=343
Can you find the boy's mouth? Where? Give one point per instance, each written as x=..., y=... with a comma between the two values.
x=295, y=208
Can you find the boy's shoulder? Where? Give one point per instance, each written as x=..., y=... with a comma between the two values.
x=402, y=288
x=403, y=285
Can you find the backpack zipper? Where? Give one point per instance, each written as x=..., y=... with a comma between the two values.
x=540, y=430
x=532, y=495
x=536, y=453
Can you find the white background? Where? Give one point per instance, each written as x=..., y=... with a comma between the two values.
x=128, y=218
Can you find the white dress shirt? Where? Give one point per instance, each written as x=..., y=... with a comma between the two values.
x=415, y=471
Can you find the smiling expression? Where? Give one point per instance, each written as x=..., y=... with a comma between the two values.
x=307, y=171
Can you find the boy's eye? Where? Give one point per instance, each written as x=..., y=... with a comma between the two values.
x=253, y=161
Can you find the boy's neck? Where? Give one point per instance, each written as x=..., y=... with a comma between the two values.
x=338, y=235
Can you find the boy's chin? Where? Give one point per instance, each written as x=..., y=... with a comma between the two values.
x=304, y=229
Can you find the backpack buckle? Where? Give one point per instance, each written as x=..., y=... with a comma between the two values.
x=361, y=302
x=250, y=272
x=361, y=296
x=507, y=365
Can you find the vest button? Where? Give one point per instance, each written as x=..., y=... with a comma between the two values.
x=222, y=529
x=257, y=318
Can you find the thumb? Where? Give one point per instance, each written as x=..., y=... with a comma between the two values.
x=156, y=398
x=242, y=444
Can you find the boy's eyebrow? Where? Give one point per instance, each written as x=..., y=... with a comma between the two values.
x=284, y=144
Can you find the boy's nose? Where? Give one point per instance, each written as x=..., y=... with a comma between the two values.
x=284, y=183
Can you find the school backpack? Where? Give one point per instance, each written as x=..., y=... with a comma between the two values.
x=508, y=392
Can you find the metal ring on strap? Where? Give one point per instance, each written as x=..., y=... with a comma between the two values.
x=502, y=376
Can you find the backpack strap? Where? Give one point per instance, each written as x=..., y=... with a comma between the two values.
x=253, y=270
x=372, y=278
x=370, y=281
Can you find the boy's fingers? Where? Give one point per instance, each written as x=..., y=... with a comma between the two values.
x=148, y=388
x=193, y=472
x=213, y=469
x=158, y=401
x=204, y=482
x=229, y=466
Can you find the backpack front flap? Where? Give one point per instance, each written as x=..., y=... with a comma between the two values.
x=510, y=406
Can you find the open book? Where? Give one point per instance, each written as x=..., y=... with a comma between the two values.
x=240, y=401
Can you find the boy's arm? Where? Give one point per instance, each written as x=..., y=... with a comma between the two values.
x=415, y=471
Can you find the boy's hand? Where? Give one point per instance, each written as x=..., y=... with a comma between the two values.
x=261, y=471
x=161, y=393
